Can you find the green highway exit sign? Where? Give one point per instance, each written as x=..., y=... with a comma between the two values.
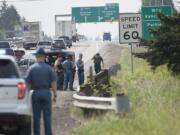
x=147, y=25
x=107, y=13
x=150, y=19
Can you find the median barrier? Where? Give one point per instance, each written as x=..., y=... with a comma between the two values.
x=119, y=104
x=102, y=98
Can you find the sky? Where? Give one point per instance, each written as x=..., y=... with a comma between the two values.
x=44, y=11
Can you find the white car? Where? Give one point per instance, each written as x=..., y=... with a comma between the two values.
x=44, y=44
x=25, y=63
x=15, y=104
x=19, y=53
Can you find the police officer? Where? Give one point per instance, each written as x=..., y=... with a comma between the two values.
x=68, y=73
x=97, y=62
x=80, y=67
x=40, y=78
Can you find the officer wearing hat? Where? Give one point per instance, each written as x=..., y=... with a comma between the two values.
x=40, y=78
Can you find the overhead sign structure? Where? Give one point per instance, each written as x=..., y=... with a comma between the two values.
x=107, y=13
x=150, y=19
x=130, y=27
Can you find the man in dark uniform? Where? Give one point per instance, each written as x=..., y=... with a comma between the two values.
x=40, y=78
x=68, y=73
x=97, y=62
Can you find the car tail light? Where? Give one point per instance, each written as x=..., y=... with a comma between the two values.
x=21, y=90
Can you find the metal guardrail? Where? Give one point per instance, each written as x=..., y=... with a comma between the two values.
x=119, y=104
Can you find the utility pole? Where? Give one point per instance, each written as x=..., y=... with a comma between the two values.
x=162, y=2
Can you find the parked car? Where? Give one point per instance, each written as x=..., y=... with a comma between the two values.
x=19, y=53
x=53, y=54
x=44, y=44
x=15, y=105
x=67, y=40
x=25, y=62
x=59, y=44
x=5, y=44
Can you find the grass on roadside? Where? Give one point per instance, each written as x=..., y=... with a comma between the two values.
x=155, y=103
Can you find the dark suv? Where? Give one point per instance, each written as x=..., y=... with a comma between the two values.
x=67, y=40
x=53, y=54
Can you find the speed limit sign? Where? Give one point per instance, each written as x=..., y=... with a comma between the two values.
x=130, y=27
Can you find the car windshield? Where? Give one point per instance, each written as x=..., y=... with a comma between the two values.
x=65, y=38
x=44, y=43
x=4, y=45
x=19, y=53
x=59, y=42
x=8, y=69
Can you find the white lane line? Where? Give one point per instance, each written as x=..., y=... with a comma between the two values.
x=97, y=47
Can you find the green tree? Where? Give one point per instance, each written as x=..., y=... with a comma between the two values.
x=9, y=17
x=165, y=47
x=2, y=34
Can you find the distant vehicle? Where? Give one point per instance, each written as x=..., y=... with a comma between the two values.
x=19, y=53
x=44, y=44
x=107, y=36
x=67, y=40
x=15, y=104
x=32, y=33
x=5, y=44
x=30, y=45
x=25, y=62
x=75, y=38
x=59, y=44
x=65, y=28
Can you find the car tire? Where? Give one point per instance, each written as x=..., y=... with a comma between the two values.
x=24, y=129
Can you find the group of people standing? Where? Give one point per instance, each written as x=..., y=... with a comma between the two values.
x=66, y=69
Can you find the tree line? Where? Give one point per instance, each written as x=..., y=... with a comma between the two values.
x=9, y=18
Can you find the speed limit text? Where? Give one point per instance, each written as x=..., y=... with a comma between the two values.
x=130, y=24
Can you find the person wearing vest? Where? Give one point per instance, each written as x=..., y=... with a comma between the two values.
x=98, y=60
x=40, y=78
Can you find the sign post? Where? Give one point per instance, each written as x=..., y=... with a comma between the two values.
x=132, y=61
